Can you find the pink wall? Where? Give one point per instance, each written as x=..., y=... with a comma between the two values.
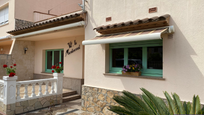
x=58, y=7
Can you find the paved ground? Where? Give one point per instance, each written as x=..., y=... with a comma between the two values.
x=62, y=109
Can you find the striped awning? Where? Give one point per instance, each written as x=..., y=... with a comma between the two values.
x=142, y=35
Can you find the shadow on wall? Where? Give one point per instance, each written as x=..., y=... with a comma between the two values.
x=90, y=21
x=182, y=74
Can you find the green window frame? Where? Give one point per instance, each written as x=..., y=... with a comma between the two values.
x=144, y=45
x=60, y=51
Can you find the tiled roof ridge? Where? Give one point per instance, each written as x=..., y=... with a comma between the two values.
x=48, y=22
x=134, y=22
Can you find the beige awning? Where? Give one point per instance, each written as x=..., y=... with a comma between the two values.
x=142, y=35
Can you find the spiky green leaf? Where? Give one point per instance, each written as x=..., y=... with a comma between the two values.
x=178, y=104
x=172, y=108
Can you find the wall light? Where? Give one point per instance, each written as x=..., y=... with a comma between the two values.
x=2, y=49
x=25, y=49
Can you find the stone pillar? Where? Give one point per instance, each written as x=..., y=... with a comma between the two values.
x=9, y=89
x=9, y=94
x=58, y=86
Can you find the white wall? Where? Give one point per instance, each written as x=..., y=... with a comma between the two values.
x=183, y=60
x=73, y=63
x=11, y=24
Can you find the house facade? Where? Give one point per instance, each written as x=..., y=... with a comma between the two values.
x=46, y=33
x=110, y=43
x=22, y=51
x=95, y=44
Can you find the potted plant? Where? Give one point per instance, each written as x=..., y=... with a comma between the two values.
x=57, y=68
x=10, y=70
x=134, y=70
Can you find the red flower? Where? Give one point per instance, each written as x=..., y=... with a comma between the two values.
x=11, y=66
x=11, y=74
x=14, y=64
x=53, y=67
x=4, y=66
x=58, y=67
x=60, y=62
x=53, y=71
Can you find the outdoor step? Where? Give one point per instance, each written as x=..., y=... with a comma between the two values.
x=71, y=98
x=68, y=93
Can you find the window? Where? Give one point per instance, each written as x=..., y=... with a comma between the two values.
x=53, y=57
x=149, y=54
x=4, y=13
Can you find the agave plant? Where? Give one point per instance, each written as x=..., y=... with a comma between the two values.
x=130, y=104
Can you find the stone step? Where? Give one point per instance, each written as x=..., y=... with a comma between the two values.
x=68, y=93
x=71, y=98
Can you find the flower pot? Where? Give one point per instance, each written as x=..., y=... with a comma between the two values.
x=57, y=74
x=7, y=78
x=132, y=73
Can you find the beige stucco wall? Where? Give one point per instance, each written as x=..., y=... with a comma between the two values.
x=73, y=63
x=183, y=55
x=58, y=7
x=11, y=23
x=5, y=49
x=24, y=62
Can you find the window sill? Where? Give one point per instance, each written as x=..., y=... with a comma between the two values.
x=4, y=24
x=143, y=77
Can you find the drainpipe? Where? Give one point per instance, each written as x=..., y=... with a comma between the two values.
x=83, y=5
x=73, y=25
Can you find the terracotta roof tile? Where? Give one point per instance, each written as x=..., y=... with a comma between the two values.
x=44, y=23
x=134, y=22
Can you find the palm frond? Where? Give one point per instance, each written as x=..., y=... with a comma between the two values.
x=150, y=104
x=195, y=105
x=178, y=104
x=172, y=109
x=138, y=101
x=120, y=110
x=157, y=102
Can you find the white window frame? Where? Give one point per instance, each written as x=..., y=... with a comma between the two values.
x=4, y=14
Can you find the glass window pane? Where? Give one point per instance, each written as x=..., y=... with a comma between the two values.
x=49, y=59
x=6, y=13
x=135, y=56
x=118, y=57
x=154, y=57
x=62, y=58
x=56, y=57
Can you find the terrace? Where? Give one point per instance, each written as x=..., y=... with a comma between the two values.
x=17, y=97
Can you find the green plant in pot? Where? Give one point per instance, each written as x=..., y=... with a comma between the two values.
x=57, y=68
x=134, y=69
x=10, y=70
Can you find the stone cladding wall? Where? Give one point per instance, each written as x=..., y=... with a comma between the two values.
x=30, y=105
x=4, y=59
x=98, y=100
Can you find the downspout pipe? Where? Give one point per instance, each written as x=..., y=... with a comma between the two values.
x=83, y=5
x=68, y=26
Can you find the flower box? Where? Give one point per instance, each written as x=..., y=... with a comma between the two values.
x=132, y=73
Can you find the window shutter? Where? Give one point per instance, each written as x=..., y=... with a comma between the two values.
x=1, y=17
x=6, y=14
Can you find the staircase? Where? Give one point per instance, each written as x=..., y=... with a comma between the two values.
x=70, y=95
